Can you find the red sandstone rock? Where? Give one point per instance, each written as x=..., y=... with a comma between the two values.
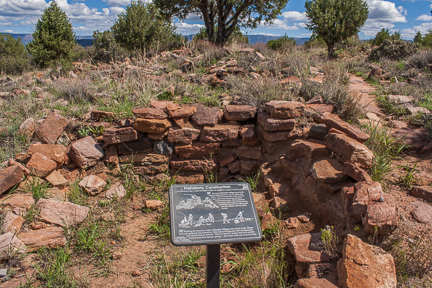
x=197, y=150
x=51, y=237
x=92, y=184
x=285, y=109
x=101, y=115
x=117, y=190
x=9, y=177
x=227, y=158
x=86, y=152
x=292, y=223
x=333, y=121
x=249, y=167
x=150, y=113
x=234, y=167
x=9, y=243
x=328, y=171
x=151, y=125
x=28, y=127
x=307, y=152
x=314, y=283
x=56, y=179
x=12, y=223
x=275, y=124
x=206, y=116
x=40, y=165
x=175, y=111
x=61, y=213
x=190, y=179
x=364, y=265
x=140, y=146
x=247, y=132
x=119, y=135
x=141, y=159
x=355, y=172
x=183, y=136
x=278, y=135
x=154, y=204
x=349, y=150
x=193, y=165
x=18, y=200
x=381, y=217
x=320, y=108
x=52, y=151
x=161, y=104
x=364, y=194
x=219, y=133
x=422, y=192
x=249, y=152
x=239, y=112
x=420, y=211
x=51, y=128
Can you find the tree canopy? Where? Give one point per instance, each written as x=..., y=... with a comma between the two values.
x=53, y=39
x=226, y=15
x=336, y=20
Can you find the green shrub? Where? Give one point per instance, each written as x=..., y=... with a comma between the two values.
x=106, y=49
x=283, y=43
x=315, y=42
x=13, y=55
x=394, y=50
x=427, y=39
x=384, y=34
x=142, y=28
x=53, y=39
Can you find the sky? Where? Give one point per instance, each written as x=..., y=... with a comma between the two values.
x=405, y=16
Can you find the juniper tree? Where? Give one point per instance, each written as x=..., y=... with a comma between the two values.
x=14, y=58
x=225, y=15
x=53, y=39
x=335, y=20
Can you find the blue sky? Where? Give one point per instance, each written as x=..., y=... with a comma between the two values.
x=406, y=16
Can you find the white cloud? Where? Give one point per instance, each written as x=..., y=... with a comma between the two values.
x=382, y=14
x=295, y=16
x=187, y=29
x=424, y=17
x=409, y=33
x=117, y=2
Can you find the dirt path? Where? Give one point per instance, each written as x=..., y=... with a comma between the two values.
x=364, y=91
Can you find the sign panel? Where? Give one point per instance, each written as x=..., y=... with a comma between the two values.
x=204, y=214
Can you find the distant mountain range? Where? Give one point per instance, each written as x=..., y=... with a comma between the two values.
x=87, y=40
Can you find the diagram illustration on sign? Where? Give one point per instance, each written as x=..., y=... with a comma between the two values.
x=237, y=220
x=194, y=201
x=188, y=222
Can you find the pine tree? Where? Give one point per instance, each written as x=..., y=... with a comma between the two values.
x=13, y=55
x=418, y=38
x=53, y=39
x=336, y=20
x=142, y=27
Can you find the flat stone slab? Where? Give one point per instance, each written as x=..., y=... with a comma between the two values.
x=142, y=145
x=422, y=192
x=8, y=242
x=144, y=158
x=154, y=126
x=183, y=136
x=61, y=213
x=220, y=133
x=333, y=121
x=197, y=150
x=18, y=200
x=116, y=190
x=51, y=237
x=56, y=179
x=328, y=170
x=420, y=211
x=92, y=184
x=86, y=152
x=285, y=109
x=239, y=112
x=12, y=223
x=206, y=116
x=40, y=165
x=150, y=113
x=54, y=152
x=275, y=124
x=176, y=111
x=117, y=135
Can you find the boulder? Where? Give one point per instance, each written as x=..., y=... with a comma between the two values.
x=86, y=152
x=12, y=223
x=364, y=265
x=150, y=113
x=119, y=135
x=9, y=243
x=54, y=152
x=239, y=112
x=117, y=190
x=422, y=192
x=314, y=283
x=206, y=116
x=40, y=165
x=349, y=150
x=275, y=124
x=154, y=126
x=9, y=177
x=61, y=213
x=307, y=249
x=333, y=121
x=28, y=127
x=92, y=184
x=285, y=109
x=355, y=172
x=328, y=171
x=219, y=133
x=381, y=216
x=51, y=237
x=175, y=111
x=51, y=128
x=197, y=150
x=183, y=136
x=420, y=211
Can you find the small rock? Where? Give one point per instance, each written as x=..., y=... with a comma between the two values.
x=56, y=179
x=18, y=201
x=328, y=171
x=51, y=128
x=305, y=217
x=292, y=223
x=136, y=273
x=86, y=152
x=61, y=213
x=355, y=172
x=420, y=211
x=163, y=148
x=40, y=165
x=239, y=112
x=120, y=134
x=28, y=127
x=9, y=243
x=154, y=126
x=92, y=184
x=117, y=190
x=37, y=225
x=154, y=204
x=117, y=255
x=9, y=177
x=54, y=152
x=422, y=192
x=12, y=223
x=150, y=113
x=285, y=109
x=206, y=116
x=51, y=237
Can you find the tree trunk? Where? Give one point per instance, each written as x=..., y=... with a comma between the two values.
x=330, y=48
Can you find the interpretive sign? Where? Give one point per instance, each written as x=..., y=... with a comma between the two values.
x=205, y=214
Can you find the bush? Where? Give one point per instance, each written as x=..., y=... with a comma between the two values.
x=384, y=34
x=106, y=49
x=236, y=37
x=53, y=39
x=141, y=27
x=283, y=43
x=13, y=55
x=427, y=40
x=394, y=50
x=315, y=42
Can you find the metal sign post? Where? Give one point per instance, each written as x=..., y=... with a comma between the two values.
x=213, y=214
